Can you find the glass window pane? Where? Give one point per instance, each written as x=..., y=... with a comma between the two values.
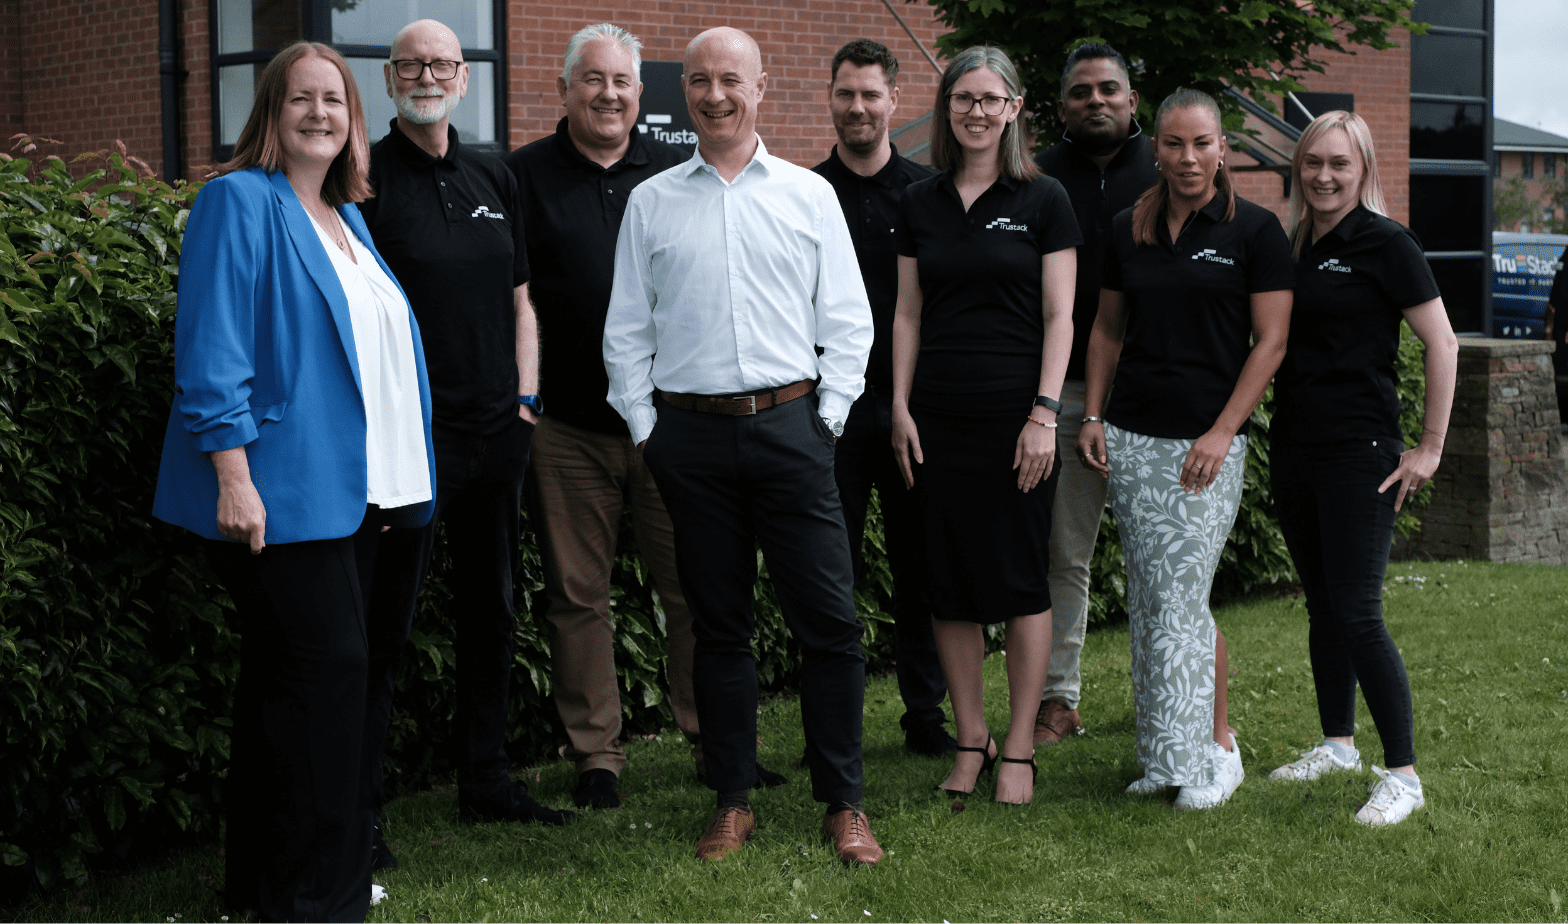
x=474, y=117
x=1450, y=64
x=1443, y=131
x=236, y=93
x=1462, y=284
x=376, y=22
x=1463, y=14
x=245, y=25
x=1445, y=211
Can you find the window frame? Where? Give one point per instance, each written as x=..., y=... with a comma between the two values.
x=316, y=24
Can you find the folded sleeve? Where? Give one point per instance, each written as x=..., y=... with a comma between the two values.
x=214, y=330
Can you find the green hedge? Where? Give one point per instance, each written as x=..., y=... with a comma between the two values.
x=117, y=660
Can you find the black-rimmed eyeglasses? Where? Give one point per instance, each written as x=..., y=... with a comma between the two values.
x=409, y=69
x=963, y=103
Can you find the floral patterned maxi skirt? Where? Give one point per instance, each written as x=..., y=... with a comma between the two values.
x=1172, y=542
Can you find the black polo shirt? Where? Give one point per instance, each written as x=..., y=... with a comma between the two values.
x=1096, y=195
x=572, y=208
x=1189, y=314
x=1353, y=286
x=981, y=329
x=1558, y=299
x=449, y=229
x=870, y=205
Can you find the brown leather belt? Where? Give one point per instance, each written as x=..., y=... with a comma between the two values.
x=739, y=406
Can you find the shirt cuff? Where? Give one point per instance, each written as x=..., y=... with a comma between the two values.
x=641, y=422
x=833, y=405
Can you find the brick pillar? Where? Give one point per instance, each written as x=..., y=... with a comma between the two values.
x=1502, y=491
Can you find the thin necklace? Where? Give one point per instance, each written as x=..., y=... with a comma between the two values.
x=336, y=231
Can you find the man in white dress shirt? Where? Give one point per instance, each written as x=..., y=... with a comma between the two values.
x=731, y=271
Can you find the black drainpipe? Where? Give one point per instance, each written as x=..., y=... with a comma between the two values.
x=169, y=86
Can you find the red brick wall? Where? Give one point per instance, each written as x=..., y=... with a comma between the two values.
x=89, y=75
x=195, y=89
x=1380, y=81
x=10, y=71
x=1512, y=166
x=798, y=39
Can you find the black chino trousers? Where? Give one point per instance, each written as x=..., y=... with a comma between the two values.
x=864, y=459
x=732, y=484
x=479, y=483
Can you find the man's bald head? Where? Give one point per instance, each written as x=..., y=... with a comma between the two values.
x=738, y=42
x=427, y=34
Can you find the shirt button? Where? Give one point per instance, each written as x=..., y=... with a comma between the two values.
x=610, y=191
x=443, y=182
x=449, y=205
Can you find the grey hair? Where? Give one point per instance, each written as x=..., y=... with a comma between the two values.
x=946, y=154
x=575, y=44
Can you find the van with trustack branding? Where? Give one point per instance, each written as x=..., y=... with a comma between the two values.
x=1523, y=266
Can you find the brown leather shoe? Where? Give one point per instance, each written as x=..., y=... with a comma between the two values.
x=1055, y=722
x=727, y=830
x=850, y=833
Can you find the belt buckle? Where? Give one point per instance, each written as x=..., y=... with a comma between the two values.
x=752, y=410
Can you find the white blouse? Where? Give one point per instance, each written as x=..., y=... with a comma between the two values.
x=396, y=465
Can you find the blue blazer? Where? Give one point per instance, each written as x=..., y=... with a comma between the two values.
x=264, y=358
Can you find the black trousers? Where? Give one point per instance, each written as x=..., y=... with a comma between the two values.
x=1339, y=529
x=864, y=459
x=297, y=844
x=732, y=484
x=479, y=481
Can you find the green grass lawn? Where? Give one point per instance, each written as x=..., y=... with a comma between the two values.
x=1486, y=646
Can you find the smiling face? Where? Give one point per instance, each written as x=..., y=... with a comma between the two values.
x=724, y=84
x=1188, y=151
x=1331, y=175
x=426, y=100
x=314, y=123
x=1097, y=104
x=976, y=131
x=861, y=101
x=601, y=98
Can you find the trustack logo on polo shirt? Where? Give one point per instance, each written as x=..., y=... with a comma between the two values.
x=1209, y=254
x=1005, y=224
x=1334, y=266
x=485, y=212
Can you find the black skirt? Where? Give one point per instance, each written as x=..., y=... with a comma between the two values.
x=987, y=542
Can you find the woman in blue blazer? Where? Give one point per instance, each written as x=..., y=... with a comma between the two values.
x=300, y=430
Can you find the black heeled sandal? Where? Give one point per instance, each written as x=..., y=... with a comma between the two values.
x=1034, y=771
x=988, y=761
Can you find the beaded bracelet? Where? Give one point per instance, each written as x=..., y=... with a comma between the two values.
x=1040, y=422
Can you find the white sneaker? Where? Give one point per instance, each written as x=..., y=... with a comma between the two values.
x=1143, y=786
x=377, y=893
x=1391, y=802
x=1315, y=763
x=1228, y=774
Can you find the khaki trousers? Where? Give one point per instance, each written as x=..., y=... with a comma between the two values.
x=1075, y=526
x=584, y=479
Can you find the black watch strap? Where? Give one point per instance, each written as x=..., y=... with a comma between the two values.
x=1050, y=404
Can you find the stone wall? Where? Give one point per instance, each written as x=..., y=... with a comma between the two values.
x=1501, y=493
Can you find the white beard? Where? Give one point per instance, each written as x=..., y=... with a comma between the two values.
x=410, y=108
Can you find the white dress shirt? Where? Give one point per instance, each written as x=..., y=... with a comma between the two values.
x=723, y=288
x=397, y=468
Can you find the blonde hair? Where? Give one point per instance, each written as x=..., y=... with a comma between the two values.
x=946, y=154
x=1157, y=198
x=1355, y=128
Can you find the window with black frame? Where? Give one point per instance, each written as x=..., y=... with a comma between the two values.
x=1451, y=157
x=247, y=33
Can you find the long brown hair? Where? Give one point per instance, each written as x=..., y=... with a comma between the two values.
x=260, y=145
x=1156, y=199
x=946, y=154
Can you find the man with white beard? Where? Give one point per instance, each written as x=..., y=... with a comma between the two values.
x=445, y=219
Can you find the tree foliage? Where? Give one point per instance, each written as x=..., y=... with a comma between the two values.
x=1260, y=47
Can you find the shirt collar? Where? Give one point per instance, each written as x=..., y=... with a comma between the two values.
x=1130, y=147
x=1005, y=180
x=418, y=156
x=1214, y=210
x=759, y=161
x=1351, y=223
x=636, y=151
x=887, y=176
